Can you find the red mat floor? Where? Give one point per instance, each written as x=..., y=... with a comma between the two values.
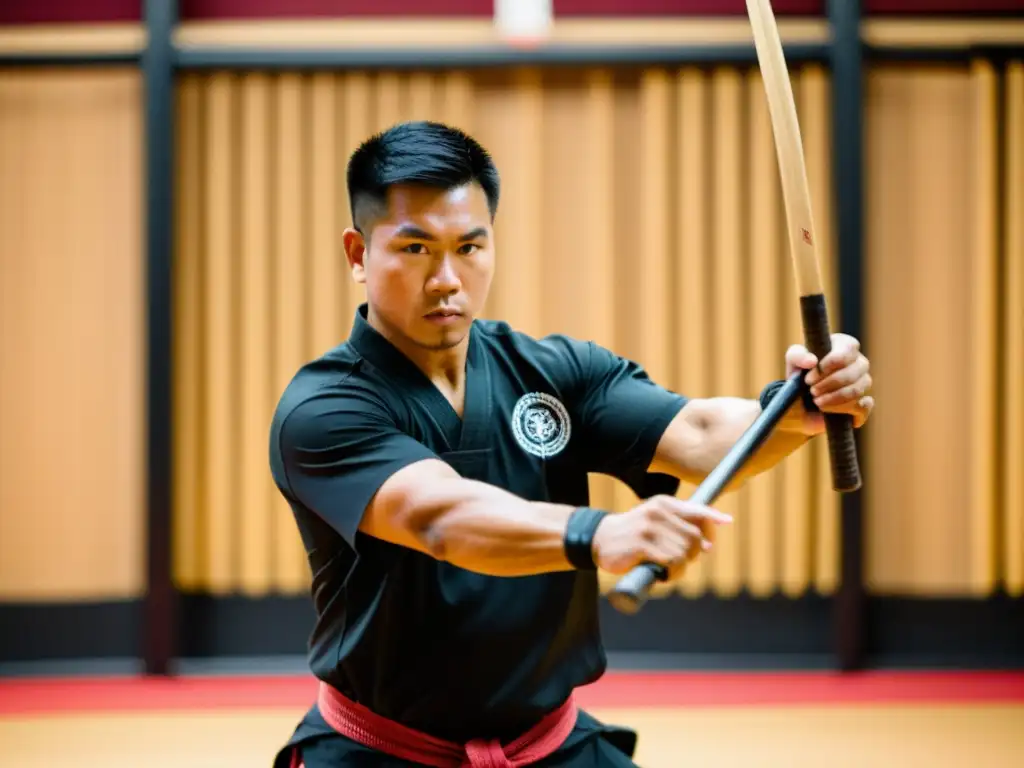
x=620, y=690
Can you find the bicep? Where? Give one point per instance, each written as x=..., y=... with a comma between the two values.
x=397, y=513
x=680, y=446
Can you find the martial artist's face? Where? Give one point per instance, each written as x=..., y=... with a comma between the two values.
x=427, y=265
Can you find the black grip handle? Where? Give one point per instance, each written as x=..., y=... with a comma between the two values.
x=631, y=591
x=842, y=442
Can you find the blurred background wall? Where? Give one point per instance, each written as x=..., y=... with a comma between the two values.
x=641, y=209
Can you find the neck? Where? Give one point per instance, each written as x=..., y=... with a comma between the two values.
x=445, y=367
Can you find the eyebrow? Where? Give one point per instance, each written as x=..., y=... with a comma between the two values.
x=416, y=233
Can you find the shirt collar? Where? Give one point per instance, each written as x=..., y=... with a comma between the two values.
x=382, y=354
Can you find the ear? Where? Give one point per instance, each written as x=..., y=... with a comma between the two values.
x=355, y=252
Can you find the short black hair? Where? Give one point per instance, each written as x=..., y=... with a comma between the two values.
x=420, y=152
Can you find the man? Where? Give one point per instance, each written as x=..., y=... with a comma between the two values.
x=437, y=467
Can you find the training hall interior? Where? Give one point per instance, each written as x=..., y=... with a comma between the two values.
x=172, y=178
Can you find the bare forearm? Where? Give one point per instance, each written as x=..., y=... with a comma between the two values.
x=708, y=429
x=485, y=529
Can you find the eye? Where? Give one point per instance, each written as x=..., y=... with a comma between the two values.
x=468, y=248
x=416, y=248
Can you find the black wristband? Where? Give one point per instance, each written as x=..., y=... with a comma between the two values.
x=769, y=392
x=579, y=537
x=772, y=389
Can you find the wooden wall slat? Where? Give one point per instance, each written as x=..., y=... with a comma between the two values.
x=629, y=327
x=391, y=103
x=329, y=272
x=256, y=521
x=72, y=322
x=730, y=276
x=457, y=100
x=694, y=270
x=919, y=174
x=220, y=425
x=355, y=95
x=654, y=228
x=422, y=96
x=292, y=276
x=189, y=334
x=517, y=142
x=984, y=313
x=770, y=273
x=1012, y=357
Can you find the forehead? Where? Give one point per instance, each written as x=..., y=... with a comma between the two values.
x=459, y=208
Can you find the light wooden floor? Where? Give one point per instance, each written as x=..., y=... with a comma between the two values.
x=829, y=736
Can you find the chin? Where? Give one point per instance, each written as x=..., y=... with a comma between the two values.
x=445, y=339
x=448, y=341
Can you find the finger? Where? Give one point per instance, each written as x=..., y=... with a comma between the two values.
x=692, y=533
x=681, y=535
x=844, y=396
x=666, y=553
x=698, y=513
x=840, y=357
x=664, y=528
x=696, y=542
x=684, y=527
x=844, y=350
x=842, y=378
x=799, y=358
x=708, y=530
x=864, y=407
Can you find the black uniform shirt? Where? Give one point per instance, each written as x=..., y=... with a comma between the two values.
x=458, y=654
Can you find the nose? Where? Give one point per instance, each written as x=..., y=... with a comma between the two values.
x=444, y=280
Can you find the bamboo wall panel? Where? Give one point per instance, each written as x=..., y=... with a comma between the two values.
x=72, y=325
x=641, y=209
x=1012, y=353
x=693, y=298
x=943, y=245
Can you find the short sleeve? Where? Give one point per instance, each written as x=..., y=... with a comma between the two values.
x=622, y=416
x=336, y=450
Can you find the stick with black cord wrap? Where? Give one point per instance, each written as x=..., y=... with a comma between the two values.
x=800, y=228
x=630, y=593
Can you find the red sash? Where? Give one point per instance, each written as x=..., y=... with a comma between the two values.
x=376, y=732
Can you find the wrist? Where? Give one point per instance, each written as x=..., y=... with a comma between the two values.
x=578, y=541
x=793, y=420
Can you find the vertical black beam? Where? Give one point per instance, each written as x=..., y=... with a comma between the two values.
x=160, y=614
x=848, y=172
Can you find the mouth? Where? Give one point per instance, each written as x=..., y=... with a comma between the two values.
x=443, y=316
